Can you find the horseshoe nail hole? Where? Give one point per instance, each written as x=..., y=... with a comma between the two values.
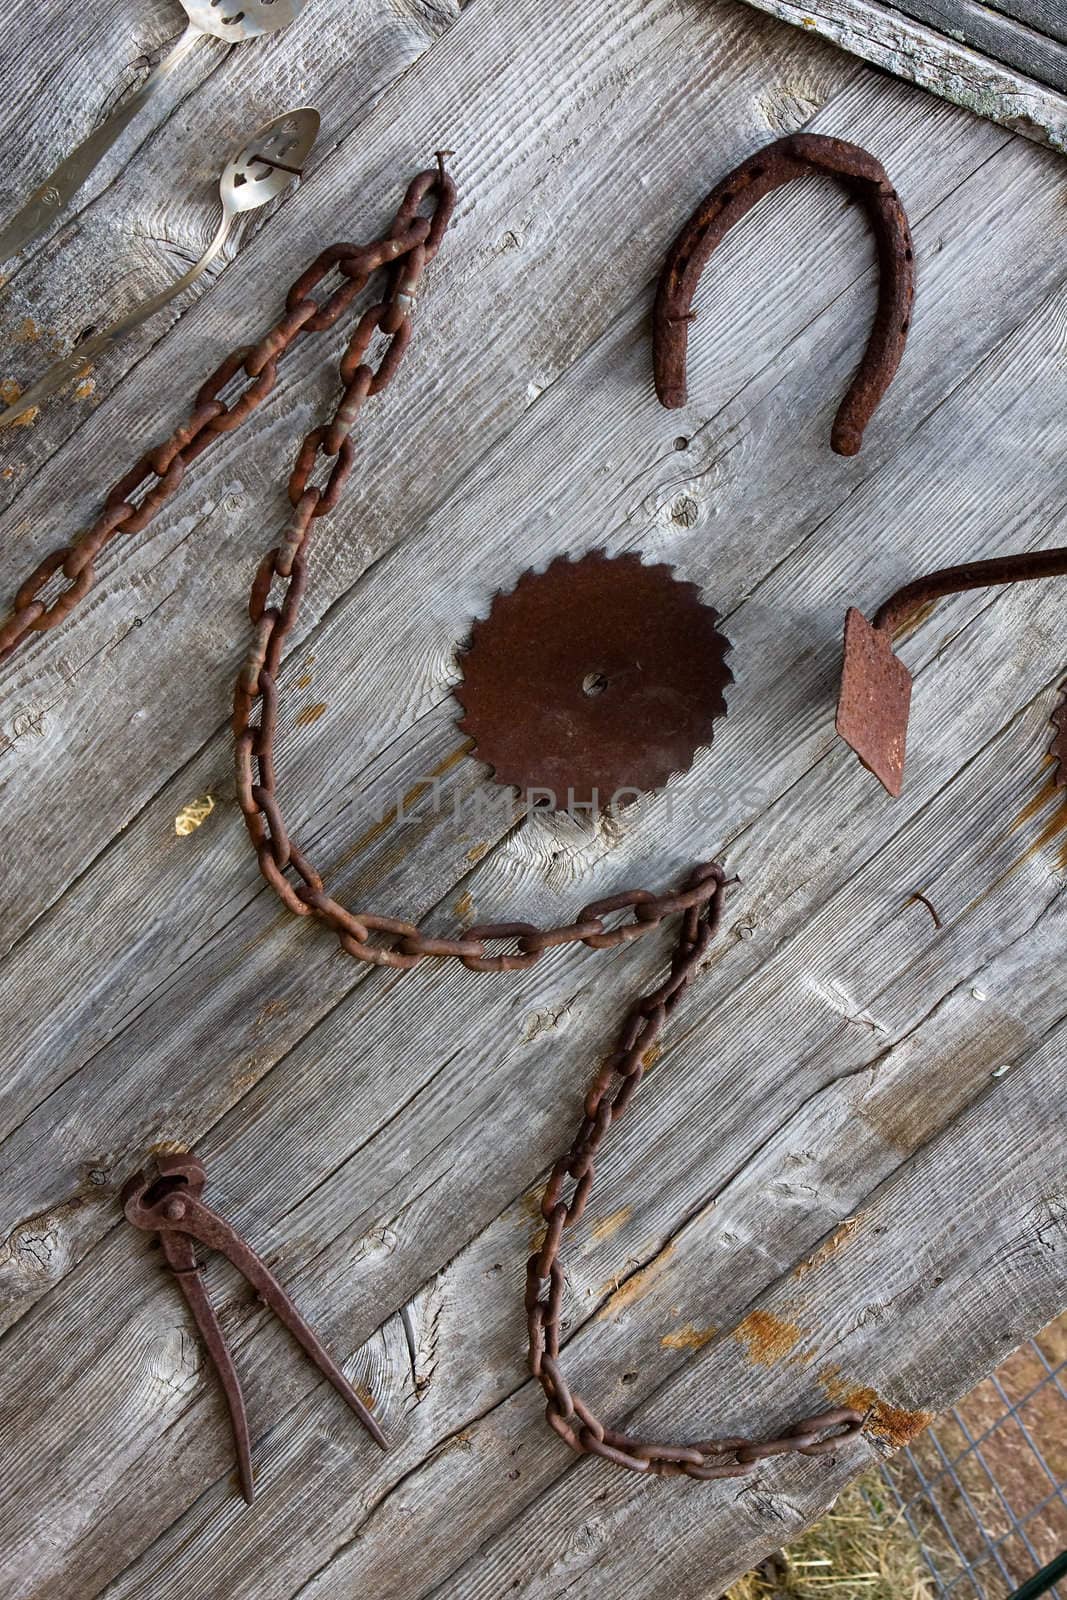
x=907, y=255
x=757, y=172
x=681, y=443
x=594, y=683
x=905, y=325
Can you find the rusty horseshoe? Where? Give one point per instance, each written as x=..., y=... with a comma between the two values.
x=799, y=155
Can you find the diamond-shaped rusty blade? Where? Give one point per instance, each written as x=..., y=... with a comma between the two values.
x=593, y=679
x=874, y=701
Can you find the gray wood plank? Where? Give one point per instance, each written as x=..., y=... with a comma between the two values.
x=373, y=1136
x=885, y=35
x=983, y=860
x=632, y=1288
x=1041, y=56
x=149, y=215
x=60, y=690
x=137, y=964
x=1011, y=1229
x=1047, y=16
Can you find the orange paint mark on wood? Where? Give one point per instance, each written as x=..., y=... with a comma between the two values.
x=302, y=683
x=767, y=1338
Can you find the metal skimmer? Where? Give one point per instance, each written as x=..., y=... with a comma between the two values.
x=411, y=242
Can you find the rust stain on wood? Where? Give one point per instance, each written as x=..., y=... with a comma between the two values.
x=829, y=1247
x=606, y=1227
x=303, y=682
x=464, y=905
x=892, y=1423
x=413, y=795
x=688, y=1338
x=623, y=1295
x=1047, y=791
x=476, y=852
x=1056, y=825
x=245, y=1075
x=767, y=1338
x=9, y=393
x=311, y=714
x=271, y=1009
x=27, y=332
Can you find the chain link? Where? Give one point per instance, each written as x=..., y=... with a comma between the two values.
x=701, y=902
x=327, y=453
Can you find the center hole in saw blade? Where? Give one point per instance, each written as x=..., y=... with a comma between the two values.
x=594, y=683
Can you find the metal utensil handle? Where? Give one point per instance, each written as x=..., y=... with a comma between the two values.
x=60, y=187
x=76, y=363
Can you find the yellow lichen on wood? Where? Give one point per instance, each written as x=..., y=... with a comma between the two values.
x=190, y=817
x=624, y=1295
x=311, y=714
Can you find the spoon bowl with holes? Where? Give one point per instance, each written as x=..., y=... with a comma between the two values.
x=260, y=171
x=230, y=20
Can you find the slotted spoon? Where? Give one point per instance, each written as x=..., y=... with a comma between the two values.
x=260, y=171
x=232, y=20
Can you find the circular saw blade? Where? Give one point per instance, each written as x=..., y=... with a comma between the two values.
x=594, y=680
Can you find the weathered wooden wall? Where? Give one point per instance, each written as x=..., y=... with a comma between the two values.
x=823, y=1190
x=1006, y=60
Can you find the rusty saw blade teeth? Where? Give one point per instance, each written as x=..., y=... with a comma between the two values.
x=593, y=680
x=1058, y=748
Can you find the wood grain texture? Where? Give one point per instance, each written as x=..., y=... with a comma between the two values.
x=957, y=57
x=1038, y=54
x=380, y=1138
x=1047, y=16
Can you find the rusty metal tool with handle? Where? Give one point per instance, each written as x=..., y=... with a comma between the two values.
x=874, y=702
x=229, y=23
x=171, y=1205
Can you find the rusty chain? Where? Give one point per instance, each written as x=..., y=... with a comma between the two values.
x=700, y=903
x=409, y=246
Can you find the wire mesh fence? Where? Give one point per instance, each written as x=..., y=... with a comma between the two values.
x=982, y=1490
